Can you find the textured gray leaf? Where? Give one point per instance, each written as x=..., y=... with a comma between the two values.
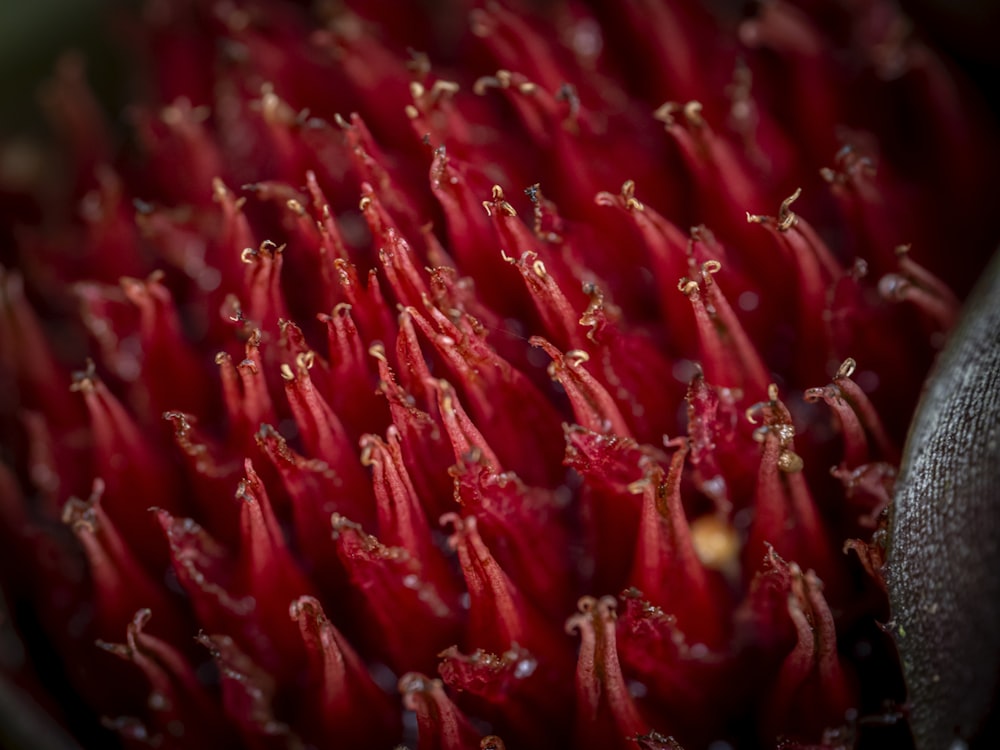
x=943, y=568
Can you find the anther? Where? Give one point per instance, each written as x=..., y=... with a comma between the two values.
x=665, y=112
x=84, y=380
x=687, y=286
x=692, y=113
x=305, y=360
x=786, y=217
x=628, y=195
x=846, y=368
x=443, y=88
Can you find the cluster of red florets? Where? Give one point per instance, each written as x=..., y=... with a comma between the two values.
x=442, y=403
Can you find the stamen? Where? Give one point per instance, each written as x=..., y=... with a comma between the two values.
x=440, y=724
x=604, y=705
x=342, y=698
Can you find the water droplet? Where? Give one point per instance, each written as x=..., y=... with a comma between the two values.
x=714, y=487
x=525, y=668
x=748, y=301
x=683, y=370
x=587, y=39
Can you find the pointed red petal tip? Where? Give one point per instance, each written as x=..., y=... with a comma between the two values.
x=265, y=300
x=199, y=448
x=75, y=112
x=349, y=367
x=815, y=264
x=395, y=255
x=873, y=552
x=498, y=613
x=729, y=356
x=609, y=461
x=396, y=590
x=669, y=565
x=723, y=177
x=248, y=693
x=557, y=313
x=266, y=570
x=164, y=347
x=666, y=249
x=259, y=528
x=915, y=284
x=207, y=572
x=593, y=406
x=512, y=690
x=609, y=464
x=315, y=490
x=26, y=353
x=858, y=418
x=712, y=419
x=787, y=611
x=492, y=676
x=682, y=678
x=811, y=679
x=177, y=137
x=606, y=711
x=402, y=520
x=178, y=707
x=342, y=700
x=501, y=399
x=786, y=513
x=244, y=390
x=121, y=582
x=127, y=458
x=440, y=724
x=467, y=442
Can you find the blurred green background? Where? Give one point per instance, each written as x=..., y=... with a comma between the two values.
x=33, y=33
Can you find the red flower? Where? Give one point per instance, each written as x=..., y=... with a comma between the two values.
x=474, y=385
